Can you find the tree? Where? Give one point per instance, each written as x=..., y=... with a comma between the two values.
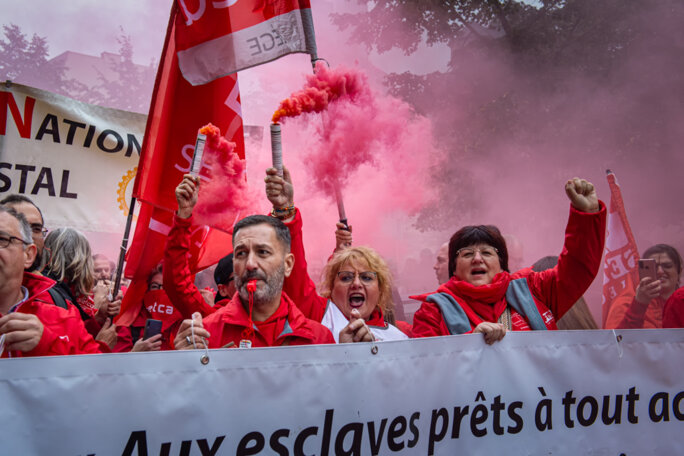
x=127, y=86
x=25, y=61
x=555, y=84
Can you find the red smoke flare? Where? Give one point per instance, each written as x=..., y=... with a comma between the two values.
x=224, y=194
x=322, y=88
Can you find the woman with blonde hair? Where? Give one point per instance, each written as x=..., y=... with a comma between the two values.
x=356, y=289
x=71, y=266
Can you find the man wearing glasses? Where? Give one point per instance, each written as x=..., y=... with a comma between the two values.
x=29, y=324
x=34, y=216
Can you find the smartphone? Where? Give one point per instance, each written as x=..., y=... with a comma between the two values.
x=647, y=268
x=152, y=328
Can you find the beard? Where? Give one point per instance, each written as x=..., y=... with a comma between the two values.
x=266, y=293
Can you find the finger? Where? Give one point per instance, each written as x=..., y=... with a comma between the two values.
x=570, y=189
x=354, y=315
x=286, y=175
x=155, y=338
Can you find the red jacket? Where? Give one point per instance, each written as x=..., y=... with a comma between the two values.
x=178, y=278
x=302, y=289
x=554, y=291
x=673, y=315
x=63, y=329
x=228, y=323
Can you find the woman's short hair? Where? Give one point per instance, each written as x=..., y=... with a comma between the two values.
x=667, y=250
x=477, y=234
x=71, y=259
x=375, y=264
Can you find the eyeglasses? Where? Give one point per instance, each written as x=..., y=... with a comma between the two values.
x=468, y=253
x=156, y=286
x=5, y=240
x=37, y=228
x=365, y=276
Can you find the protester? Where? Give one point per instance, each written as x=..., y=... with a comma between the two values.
x=259, y=314
x=155, y=305
x=71, y=266
x=356, y=289
x=34, y=216
x=103, y=268
x=578, y=316
x=483, y=297
x=30, y=325
x=178, y=278
x=644, y=307
x=673, y=314
x=441, y=266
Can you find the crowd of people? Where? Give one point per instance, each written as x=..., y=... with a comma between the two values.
x=57, y=297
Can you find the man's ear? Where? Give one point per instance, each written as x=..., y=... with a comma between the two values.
x=289, y=264
x=30, y=253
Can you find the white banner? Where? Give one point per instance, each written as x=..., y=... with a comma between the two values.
x=560, y=393
x=74, y=160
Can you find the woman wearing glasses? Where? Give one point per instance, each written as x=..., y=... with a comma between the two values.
x=356, y=288
x=482, y=296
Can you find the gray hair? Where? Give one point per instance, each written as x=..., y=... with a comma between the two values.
x=24, y=227
x=71, y=259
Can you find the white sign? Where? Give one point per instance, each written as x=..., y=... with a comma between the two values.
x=74, y=160
x=559, y=393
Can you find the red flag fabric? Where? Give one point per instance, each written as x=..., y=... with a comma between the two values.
x=621, y=256
x=178, y=110
x=220, y=38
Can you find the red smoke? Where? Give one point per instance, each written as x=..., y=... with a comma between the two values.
x=224, y=195
x=322, y=88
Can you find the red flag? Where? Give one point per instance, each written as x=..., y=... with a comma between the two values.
x=220, y=38
x=177, y=111
x=204, y=42
x=620, y=272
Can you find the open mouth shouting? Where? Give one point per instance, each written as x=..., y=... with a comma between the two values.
x=356, y=300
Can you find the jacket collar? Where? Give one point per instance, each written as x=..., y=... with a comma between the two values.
x=296, y=324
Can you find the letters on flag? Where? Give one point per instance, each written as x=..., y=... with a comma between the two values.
x=620, y=273
x=220, y=38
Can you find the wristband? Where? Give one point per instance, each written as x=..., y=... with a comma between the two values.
x=283, y=213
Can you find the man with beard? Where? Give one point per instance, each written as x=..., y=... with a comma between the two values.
x=259, y=313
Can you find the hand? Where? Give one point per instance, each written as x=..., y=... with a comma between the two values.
x=105, y=307
x=356, y=330
x=343, y=237
x=107, y=334
x=647, y=290
x=582, y=195
x=279, y=190
x=208, y=295
x=184, y=339
x=22, y=331
x=151, y=344
x=493, y=332
x=100, y=293
x=186, y=195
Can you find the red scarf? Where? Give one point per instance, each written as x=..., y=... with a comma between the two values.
x=487, y=301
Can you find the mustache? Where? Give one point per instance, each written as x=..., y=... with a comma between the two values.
x=249, y=275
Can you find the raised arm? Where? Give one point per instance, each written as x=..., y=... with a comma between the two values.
x=178, y=279
x=580, y=260
x=298, y=286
